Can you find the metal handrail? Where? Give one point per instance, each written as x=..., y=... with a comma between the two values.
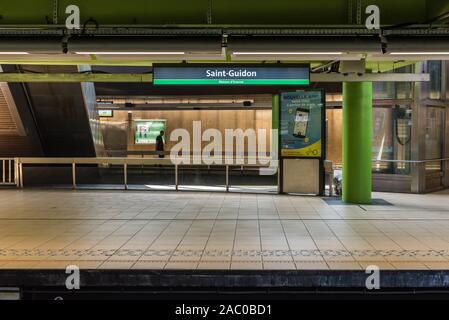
x=138, y=160
x=410, y=161
x=8, y=172
x=125, y=161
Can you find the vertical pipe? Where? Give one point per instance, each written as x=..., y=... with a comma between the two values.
x=227, y=178
x=275, y=136
x=16, y=172
x=418, y=130
x=74, y=175
x=21, y=175
x=279, y=180
x=125, y=174
x=445, y=84
x=176, y=177
x=357, y=142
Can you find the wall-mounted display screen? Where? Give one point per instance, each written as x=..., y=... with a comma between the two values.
x=301, y=124
x=105, y=113
x=146, y=131
x=225, y=75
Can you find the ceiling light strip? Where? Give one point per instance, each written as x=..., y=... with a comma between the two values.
x=14, y=52
x=129, y=53
x=288, y=53
x=433, y=53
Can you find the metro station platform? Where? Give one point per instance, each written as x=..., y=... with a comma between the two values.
x=141, y=237
x=183, y=230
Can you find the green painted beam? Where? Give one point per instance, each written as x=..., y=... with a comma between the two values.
x=357, y=142
x=74, y=77
x=386, y=66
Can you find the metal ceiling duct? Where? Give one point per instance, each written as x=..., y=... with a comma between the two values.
x=145, y=45
x=303, y=45
x=418, y=45
x=25, y=45
x=415, y=48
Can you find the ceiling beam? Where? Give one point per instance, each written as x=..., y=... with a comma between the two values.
x=101, y=77
x=74, y=77
x=370, y=77
x=222, y=12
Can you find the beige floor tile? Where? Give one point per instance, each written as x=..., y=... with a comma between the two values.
x=116, y=265
x=171, y=265
x=101, y=228
x=278, y=265
x=437, y=265
x=88, y=265
x=149, y=265
x=214, y=265
x=311, y=265
x=19, y=265
x=409, y=265
x=245, y=265
x=381, y=265
x=343, y=265
x=62, y=265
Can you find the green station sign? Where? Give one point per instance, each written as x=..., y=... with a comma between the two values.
x=225, y=75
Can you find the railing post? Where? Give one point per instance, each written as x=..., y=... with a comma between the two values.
x=125, y=174
x=9, y=170
x=16, y=172
x=21, y=175
x=279, y=178
x=3, y=170
x=227, y=178
x=73, y=175
x=176, y=177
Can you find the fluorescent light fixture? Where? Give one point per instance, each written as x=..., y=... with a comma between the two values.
x=14, y=52
x=131, y=53
x=419, y=53
x=287, y=53
x=174, y=101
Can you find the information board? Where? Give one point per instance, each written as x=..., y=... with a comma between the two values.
x=301, y=124
x=105, y=113
x=225, y=75
x=146, y=131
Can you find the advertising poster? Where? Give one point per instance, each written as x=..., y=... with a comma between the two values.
x=301, y=122
x=105, y=113
x=146, y=131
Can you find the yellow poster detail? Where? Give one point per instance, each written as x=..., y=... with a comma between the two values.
x=314, y=150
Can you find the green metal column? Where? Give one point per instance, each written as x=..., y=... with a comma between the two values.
x=357, y=142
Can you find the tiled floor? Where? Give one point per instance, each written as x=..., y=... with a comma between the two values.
x=187, y=230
